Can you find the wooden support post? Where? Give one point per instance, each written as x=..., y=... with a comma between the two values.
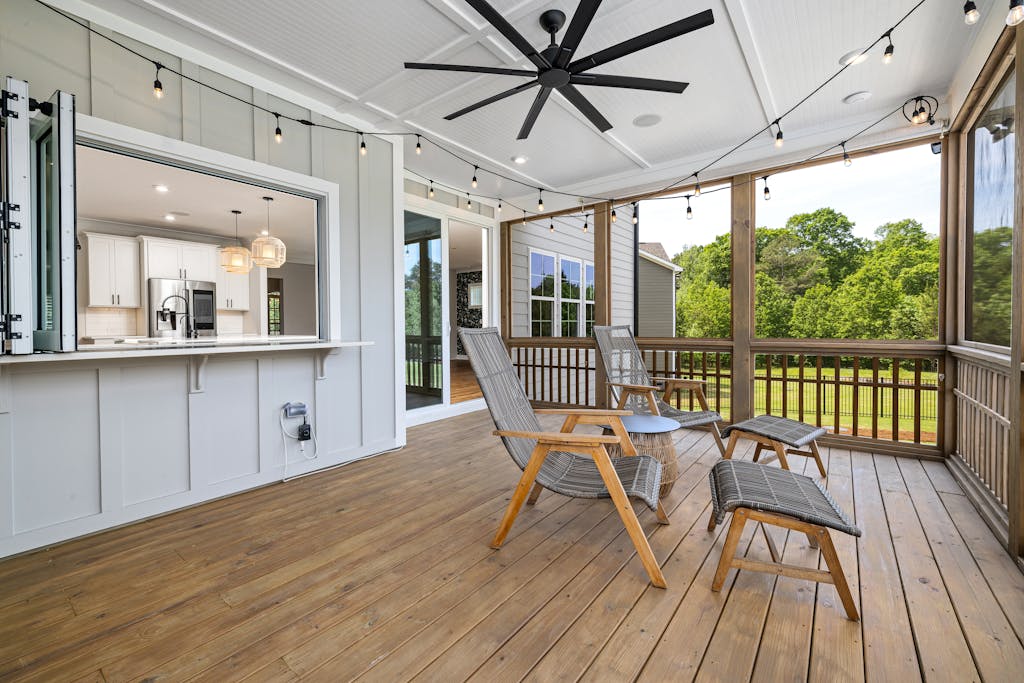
x=603, y=289
x=949, y=272
x=742, y=407
x=506, y=280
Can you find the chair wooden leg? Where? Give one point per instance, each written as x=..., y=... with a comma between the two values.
x=773, y=549
x=734, y=437
x=660, y=512
x=717, y=434
x=780, y=450
x=817, y=459
x=534, y=494
x=732, y=541
x=632, y=524
x=757, y=451
x=712, y=523
x=520, y=494
x=828, y=551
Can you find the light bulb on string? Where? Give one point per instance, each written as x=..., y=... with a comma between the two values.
x=689, y=210
x=636, y=217
x=499, y=206
x=158, y=87
x=551, y=228
x=430, y=192
x=847, y=161
x=767, y=192
x=540, y=200
x=278, y=136
x=613, y=211
x=889, y=50
x=469, y=201
x=362, y=146
x=524, y=216
x=696, y=190
x=419, y=148
x=778, y=136
x=473, y=183
x=586, y=223
x=971, y=13
x=1016, y=13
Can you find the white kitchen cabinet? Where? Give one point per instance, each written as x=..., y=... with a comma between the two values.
x=180, y=260
x=232, y=291
x=113, y=270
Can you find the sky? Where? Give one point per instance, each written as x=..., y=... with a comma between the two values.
x=875, y=190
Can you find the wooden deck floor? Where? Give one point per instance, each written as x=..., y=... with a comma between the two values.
x=380, y=571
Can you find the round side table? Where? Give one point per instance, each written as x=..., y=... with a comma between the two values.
x=652, y=435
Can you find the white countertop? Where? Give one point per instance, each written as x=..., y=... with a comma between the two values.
x=144, y=348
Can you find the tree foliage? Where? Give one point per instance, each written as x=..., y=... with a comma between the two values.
x=816, y=279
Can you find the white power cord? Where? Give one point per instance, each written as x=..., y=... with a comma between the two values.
x=302, y=444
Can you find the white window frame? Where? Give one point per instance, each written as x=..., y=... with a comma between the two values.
x=556, y=300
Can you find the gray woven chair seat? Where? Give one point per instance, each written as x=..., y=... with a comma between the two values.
x=577, y=476
x=782, y=429
x=740, y=484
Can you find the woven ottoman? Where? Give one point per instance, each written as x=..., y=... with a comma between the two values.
x=776, y=433
x=767, y=495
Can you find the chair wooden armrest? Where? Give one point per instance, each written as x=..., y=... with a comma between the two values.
x=600, y=412
x=677, y=384
x=681, y=381
x=561, y=438
x=644, y=388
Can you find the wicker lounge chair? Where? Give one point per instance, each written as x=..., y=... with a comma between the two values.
x=575, y=465
x=634, y=389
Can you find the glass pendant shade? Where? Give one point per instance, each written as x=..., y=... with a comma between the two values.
x=268, y=251
x=235, y=259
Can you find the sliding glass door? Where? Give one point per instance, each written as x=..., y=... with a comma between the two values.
x=425, y=281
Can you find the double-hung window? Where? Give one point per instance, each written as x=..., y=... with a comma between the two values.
x=561, y=296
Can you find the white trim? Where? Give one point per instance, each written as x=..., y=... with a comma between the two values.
x=398, y=160
x=659, y=261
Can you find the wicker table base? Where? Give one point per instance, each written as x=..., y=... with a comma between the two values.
x=659, y=446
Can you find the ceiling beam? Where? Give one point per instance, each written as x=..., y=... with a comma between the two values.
x=752, y=57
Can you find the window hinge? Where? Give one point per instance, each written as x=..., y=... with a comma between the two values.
x=5, y=326
x=5, y=111
x=6, y=224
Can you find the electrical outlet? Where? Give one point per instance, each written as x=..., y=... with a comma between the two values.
x=305, y=432
x=295, y=409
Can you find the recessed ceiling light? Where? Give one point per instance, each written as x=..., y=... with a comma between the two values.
x=520, y=159
x=169, y=217
x=646, y=120
x=853, y=57
x=160, y=188
x=855, y=97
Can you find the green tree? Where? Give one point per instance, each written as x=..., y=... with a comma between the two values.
x=703, y=310
x=774, y=308
x=830, y=233
x=991, y=286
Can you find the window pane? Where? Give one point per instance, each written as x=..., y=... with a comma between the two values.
x=698, y=303
x=570, y=319
x=542, y=274
x=987, y=309
x=850, y=252
x=590, y=320
x=542, y=318
x=590, y=282
x=570, y=279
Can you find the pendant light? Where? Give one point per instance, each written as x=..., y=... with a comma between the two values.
x=689, y=211
x=586, y=223
x=419, y=148
x=267, y=250
x=362, y=145
x=158, y=88
x=278, y=136
x=1016, y=13
x=779, y=140
x=767, y=192
x=847, y=161
x=236, y=258
x=889, y=50
x=971, y=13
x=613, y=211
x=696, y=190
x=636, y=217
x=540, y=200
x=430, y=192
x=473, y=183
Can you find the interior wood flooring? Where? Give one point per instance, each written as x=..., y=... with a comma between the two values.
x=380, y=571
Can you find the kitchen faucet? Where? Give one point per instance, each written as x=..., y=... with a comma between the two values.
x=164, y=314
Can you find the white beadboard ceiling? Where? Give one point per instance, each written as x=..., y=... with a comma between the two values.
x=758, y=59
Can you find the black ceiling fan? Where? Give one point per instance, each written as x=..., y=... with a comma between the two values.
x=556, y=69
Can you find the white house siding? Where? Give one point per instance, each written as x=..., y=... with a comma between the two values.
x=86, y=445
x=622, y=271
x=657, y=300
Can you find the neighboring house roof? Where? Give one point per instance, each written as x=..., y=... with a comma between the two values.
x=655, y=253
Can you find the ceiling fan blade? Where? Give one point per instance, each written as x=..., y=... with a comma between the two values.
x=531, y=116
x=574, y=34
x=506, y=29
x=583, y=104
x=471, y=69
x=491, y=100
x=610, y=81
x=643, y=41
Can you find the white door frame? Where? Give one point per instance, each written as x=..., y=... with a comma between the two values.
x=447, y=214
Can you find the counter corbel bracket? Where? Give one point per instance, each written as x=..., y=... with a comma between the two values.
x=197, y=374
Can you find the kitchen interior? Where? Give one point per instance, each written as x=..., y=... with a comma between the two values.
x=174, y=256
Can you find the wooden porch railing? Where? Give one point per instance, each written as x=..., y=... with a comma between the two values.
x=862, y=392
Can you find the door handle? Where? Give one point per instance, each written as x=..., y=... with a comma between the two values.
x=111, y=299
x=118, y=299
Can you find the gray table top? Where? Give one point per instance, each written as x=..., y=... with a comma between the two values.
x=649, y=424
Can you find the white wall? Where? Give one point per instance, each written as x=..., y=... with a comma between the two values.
x=299, y=282
x=88, y=444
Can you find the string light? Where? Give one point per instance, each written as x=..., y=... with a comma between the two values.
x=971, y=13
x=277, y=131
x=689, y=211
x=469, y=201
x=613, y=211
x=551, y=228
x=540, y=200
x=889, y=50
x=524, y=216
x=847, y=161
x=499, y=206
x=696, y=190
x=778, y=136
x=586, y=223
x=473, y=183
x=430, y=192
x=767, y=193
x=636, y=217
x=158, y=87
x=1016, y=13
x=419, y=148
x=362, y=146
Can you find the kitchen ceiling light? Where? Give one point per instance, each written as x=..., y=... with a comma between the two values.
x=520, y=159
x=267, y=250
x=236, y=258
x=857, y=56
x=161, y=188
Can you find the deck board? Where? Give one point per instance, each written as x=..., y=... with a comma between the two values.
x=381, y=570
